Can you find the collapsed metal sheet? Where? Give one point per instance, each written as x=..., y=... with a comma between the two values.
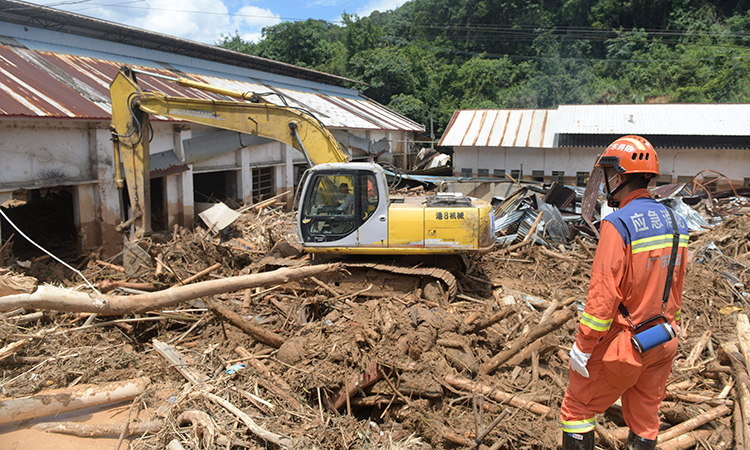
x=694, y=220
x=553, y=224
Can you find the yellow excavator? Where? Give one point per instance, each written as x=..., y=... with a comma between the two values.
x=344, y=207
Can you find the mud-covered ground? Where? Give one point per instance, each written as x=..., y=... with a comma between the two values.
x=399, y=329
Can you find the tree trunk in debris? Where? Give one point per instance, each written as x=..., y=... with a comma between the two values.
x=51, y=298
x=554, y=322
x=258, y=333
x=98, y=430
x=61, y=400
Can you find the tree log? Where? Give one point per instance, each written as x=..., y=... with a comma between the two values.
x=685, y=441
x=508, y=399
x=97, y=430
x=694, y=423
x=743, y=333
x=61, y=400
x=741, y=387
x=556, y=321
x=258, y=333
x=52, y=298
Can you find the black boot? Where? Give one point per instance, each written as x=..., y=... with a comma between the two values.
x=573, y=441
x=636, y=442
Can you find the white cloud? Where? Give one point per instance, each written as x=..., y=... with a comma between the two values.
x=250, y=20
x=379, y=5
x=197, y=20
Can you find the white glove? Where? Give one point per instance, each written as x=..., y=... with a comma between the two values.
x=578, y=361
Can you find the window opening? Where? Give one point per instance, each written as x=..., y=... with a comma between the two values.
x=262, y=183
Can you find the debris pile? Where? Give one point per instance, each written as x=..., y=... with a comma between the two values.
x=239, y=340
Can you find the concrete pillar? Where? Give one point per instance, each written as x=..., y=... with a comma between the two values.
x=244, y=175
x=85, y=216
x=106, y=196
x=173, y=200
x=183, y=182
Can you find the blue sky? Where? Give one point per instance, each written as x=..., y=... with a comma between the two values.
x=206, y=20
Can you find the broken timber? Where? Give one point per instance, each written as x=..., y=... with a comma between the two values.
x=52, y=298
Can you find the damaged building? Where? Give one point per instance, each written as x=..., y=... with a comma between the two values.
x=561, y=145
x=57, y=166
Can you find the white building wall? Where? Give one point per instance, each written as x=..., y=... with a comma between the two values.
x=674, y=163
x=43, y=153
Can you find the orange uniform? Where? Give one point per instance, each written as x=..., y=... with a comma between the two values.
x=630, y=266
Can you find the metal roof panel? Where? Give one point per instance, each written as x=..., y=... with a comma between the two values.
x=500, y=128
x=659, y=119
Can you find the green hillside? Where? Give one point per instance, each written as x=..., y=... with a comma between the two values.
x=442, y=55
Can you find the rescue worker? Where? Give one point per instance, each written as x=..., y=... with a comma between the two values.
x=627, y=287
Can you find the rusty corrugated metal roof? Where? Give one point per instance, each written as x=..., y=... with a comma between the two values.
x=501, y=128
x=52, y=84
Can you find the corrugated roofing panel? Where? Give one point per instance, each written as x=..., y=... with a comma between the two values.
x=36, y=83
x=658, y=119
x=500, y=128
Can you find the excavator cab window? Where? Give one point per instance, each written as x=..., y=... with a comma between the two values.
x=329, y=208
x=368, y=190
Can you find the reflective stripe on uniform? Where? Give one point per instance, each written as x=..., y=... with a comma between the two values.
x=578, y=426
x=677, y=315
x=594, y=323
x=657, y=242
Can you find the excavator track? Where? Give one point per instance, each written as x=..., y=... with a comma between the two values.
x=390, y=279
x=434, y=272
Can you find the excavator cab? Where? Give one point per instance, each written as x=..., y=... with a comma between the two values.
x=338, y=203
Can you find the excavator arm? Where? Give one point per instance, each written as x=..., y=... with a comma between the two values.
x=131, y=107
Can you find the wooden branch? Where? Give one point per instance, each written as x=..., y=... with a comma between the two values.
x=366, y=379
x=495, y=318
x=12, y=348
x=262, y=433
x=743, y=333
x=52, y=298
x=198, y=275
x=606, y=437
x=739, y=427
x=111, y=266
x=685, y=441
x=556, y=321
x=541, y=346
x=695, y=353
x=325, y=286
x=62, y=400
x=98, y=430
x=109, y=285
x=180, y=364
x=742, y=387
x=695, y=422
x=270, y=380
x=695, y=398
x=258, y=333
x=512, y=400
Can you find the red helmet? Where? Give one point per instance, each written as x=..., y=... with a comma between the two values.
x=631, y=154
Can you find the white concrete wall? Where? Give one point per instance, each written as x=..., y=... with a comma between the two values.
x=43, y=153
x=734, y=164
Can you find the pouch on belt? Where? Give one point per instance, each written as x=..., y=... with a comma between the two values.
x=622, y=363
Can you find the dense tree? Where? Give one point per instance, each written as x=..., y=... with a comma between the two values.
x=430, y=57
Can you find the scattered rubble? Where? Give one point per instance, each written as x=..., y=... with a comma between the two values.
x=358, y=355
